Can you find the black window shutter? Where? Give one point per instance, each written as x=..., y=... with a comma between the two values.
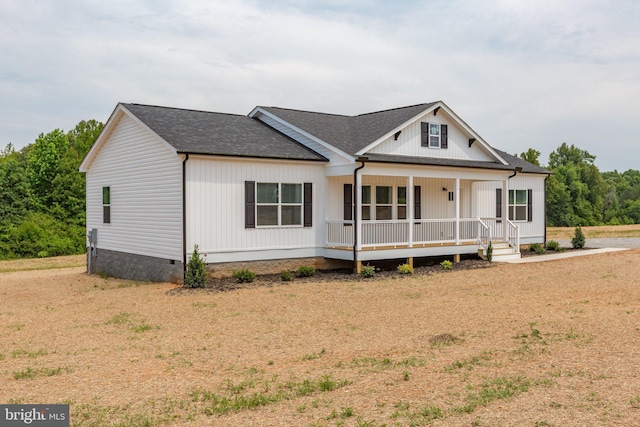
x=249, y=204
x=529, y=206
x=498, y=202
x=417, y=202
x=444, y=143
x=308, y=204
x=424, y=131
x=348, y=202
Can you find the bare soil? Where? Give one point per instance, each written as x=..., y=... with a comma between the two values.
x=542, y=344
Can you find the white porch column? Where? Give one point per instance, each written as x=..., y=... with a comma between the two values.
x=457, y=205
x=410, y=209
x=358, y=212
x=505, y=208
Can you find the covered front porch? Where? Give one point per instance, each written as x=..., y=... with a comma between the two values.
x=424, y=213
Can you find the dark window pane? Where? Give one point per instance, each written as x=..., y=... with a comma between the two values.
x=106, y=214
x=521, y=213
x=366, y=194
x=291, y=193
x=402, y=212
x=383, y=195
x=434, y=129
x=434, y=141
x=267, y=215
x=106, y=195
x=521, y=197
x=267, y=192
x=383, y=213
x=366, y=212
x=402, y=195
x=291, y=215
x=511, y=212
x=511, y=198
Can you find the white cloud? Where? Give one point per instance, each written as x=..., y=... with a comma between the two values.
x=522, y=73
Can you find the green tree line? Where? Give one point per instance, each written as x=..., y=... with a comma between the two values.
x=42, y=194
x=579, y=194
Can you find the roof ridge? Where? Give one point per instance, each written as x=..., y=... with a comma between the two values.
x=398, y=108
x=182, y=109
x=306, y=111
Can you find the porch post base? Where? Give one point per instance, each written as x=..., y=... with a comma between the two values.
x=358, y=267
x=456, y=258
x=410, y=261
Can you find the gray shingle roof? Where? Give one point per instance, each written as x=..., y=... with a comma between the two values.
x=349, y=133
x=352, y=133
x=201, y=132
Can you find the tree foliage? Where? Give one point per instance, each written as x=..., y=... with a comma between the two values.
x=42, y=194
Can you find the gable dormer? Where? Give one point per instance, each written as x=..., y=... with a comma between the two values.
x=435, y=133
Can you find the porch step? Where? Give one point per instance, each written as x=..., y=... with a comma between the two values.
x=501, y=252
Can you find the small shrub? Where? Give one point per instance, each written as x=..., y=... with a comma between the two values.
x=367, y=271
x=244, y=275
x=306, y=271
x=578, y=240
x=446, y=264
x=196, y=274
x=490, y=252
x=534, y=247
x=540, y=250
x=286, y=276
x=405, y=269
x=553, y=245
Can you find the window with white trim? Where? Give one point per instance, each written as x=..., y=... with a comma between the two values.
x=106, y=205
x=366, y=202
x=384, y=202
x=518, y=205
x=278, y=204
x=434, y=135
x=402, y=203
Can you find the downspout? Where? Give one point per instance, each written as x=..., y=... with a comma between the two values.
x=184, y=214
x=515, y=172
x=355, y=210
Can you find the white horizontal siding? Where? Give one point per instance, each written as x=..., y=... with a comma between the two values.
x=409, y=142
x=216, y=200
x=146, y=193
x=485, y=197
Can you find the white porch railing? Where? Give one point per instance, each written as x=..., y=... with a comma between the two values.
x=425, y=231
x=514, y=236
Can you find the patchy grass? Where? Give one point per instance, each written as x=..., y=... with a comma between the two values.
x=602, y=232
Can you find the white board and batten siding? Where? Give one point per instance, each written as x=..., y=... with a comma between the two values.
x=409, y=142
x=485, y=203
x=216, y=205
x=145, y=180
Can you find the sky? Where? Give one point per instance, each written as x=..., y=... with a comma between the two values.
x=522, y=74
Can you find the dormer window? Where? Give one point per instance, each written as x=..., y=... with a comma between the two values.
x=434, y=135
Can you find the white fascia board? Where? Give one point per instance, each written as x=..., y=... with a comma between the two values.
x=429, y=110
x=256, y=112
x=119, y=111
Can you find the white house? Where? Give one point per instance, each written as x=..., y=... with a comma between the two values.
x=285, y=184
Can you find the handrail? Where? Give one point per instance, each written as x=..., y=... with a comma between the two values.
x=484, y=227
x=514, y=240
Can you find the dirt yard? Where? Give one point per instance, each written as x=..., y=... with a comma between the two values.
x=542, y=344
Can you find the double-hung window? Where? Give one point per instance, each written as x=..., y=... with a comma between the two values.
x=518, y=205
x=384, y=202
x=366, y=202
x=278, y=204
x=434, y=135
x=106, y=205
x=402, y=203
